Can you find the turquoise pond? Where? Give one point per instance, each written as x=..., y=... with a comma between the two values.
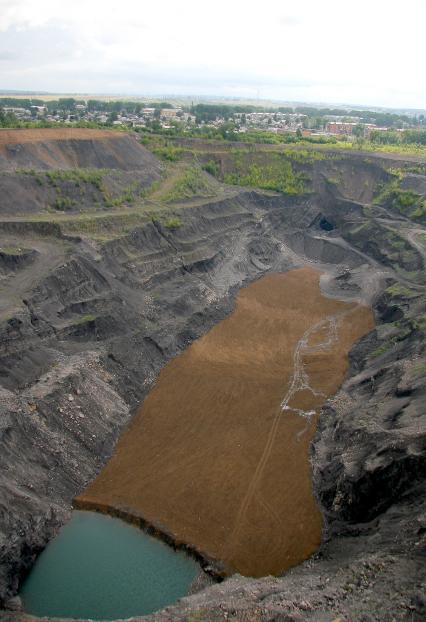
x=102, y=568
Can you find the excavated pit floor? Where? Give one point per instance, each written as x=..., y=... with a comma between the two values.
x=217, y=458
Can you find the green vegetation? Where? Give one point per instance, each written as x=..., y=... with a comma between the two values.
x=102, y=226
x=419, y=370
x=38, y=176
x=191, y=183
x=420, y=211
x=89, y=317
x=306, y=156
x=212, y=168
x=412, y=136
x=12, y=250
x=211, y=112
x=64, y=203
x=383, y=348
x=229, y=132
x=169, y=153
x=420, y=322
x=79, y=177
x=391, y=195
x=405, y=199
x=405, y=328
x=128, y=196
x=385, y=244
x=197, y=616
x=400, y=291
x=173, y=223
x=276, y=173
x=92, y=176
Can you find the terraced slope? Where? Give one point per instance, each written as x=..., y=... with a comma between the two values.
x=95, y=302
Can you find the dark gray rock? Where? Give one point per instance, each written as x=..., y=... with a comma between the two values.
x=93, y=329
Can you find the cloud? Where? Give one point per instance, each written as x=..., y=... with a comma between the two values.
x=6, y=55
x=317, y=52
x=290, y=20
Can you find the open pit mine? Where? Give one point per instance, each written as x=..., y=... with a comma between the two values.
x=212, y=383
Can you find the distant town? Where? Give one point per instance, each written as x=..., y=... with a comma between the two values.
x=209, y=119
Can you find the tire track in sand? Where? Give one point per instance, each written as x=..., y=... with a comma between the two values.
x=299, y=382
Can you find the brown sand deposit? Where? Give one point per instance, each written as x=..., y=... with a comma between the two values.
x=19, y=136
x=218, y=454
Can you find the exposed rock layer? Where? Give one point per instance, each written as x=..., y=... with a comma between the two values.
x=86, y=329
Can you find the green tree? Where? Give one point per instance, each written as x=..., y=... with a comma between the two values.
x=358, y=131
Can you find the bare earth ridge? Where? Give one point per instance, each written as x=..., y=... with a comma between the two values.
x=14, y=136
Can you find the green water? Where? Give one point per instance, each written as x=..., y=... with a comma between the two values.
x=101, y=568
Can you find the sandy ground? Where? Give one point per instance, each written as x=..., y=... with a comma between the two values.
x=218, y=455
x=19, y=136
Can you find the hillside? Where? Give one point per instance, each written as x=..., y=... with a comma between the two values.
x=116, y=256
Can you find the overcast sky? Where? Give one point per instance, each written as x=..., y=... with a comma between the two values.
x=369, y=52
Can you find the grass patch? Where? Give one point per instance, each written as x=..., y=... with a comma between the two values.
x=37, y=175
x=191, y=183
x=212, y=168
x=419, y=322
x=89, y=317
x=404, y=199
x=419, y=370
x=400, y=291
x=127, y=197
x=173, y=222
x=82, y=177
x=197, y=616
x=391, y=195
x=383, y=348
x=12, y=250
x=420, y=211
x=169, y=153
x=100, y=226
x=64, y=203
x=92, y=176
x=405, y=149
x=306, y=156
x=277, y=173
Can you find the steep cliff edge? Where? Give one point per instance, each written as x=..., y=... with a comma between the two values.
x=94, y=303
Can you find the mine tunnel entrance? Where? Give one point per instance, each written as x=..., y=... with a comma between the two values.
x=326, y=225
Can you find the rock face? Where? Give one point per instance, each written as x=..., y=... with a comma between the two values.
x=85, y=329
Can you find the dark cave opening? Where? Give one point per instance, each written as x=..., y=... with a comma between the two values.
x=326, y=225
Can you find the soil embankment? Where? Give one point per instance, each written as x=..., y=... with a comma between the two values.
x=72, y=148
x=218, y=455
